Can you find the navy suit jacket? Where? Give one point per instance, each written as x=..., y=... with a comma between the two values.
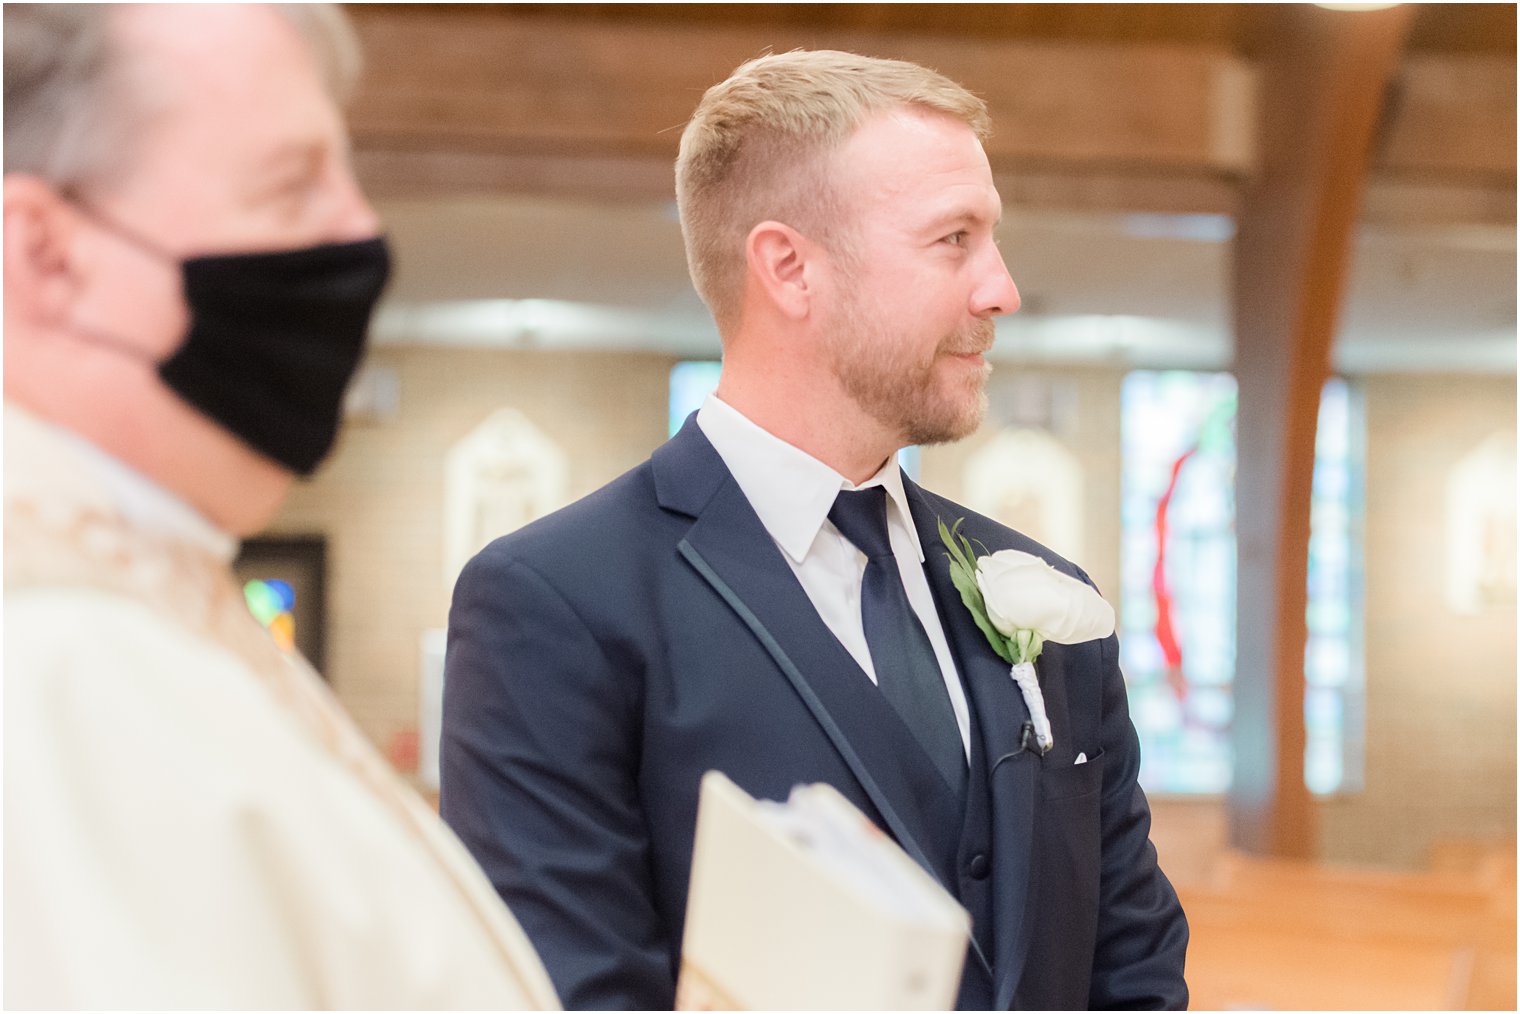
x=601, y=659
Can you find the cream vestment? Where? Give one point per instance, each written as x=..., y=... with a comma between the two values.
x=190, y=819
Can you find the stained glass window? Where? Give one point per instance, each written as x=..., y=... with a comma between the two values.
x=272, y=603
x=1178, y=636
x=1178, y=593
x=1333, y=659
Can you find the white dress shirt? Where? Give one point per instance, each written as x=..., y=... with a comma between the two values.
x=792, y=492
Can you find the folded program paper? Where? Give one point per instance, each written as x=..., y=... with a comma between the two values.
x=807, y=905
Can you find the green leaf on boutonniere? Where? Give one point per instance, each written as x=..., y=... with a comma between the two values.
x=971, y=595
x=948, y=536
x=963, y=576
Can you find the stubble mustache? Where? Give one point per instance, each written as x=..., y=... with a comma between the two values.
x=975, y=340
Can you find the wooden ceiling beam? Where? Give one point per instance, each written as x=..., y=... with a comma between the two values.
x=644, y=179
x=484, y=101
x=1452, y=119
x=1327, y=81
x=502, y=84
x=410, y=175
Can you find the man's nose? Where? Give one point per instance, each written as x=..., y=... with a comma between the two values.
x=996, y=295
x=350, y=216
x=360, y=219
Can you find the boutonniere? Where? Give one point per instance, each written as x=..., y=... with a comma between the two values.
x=1019, y=602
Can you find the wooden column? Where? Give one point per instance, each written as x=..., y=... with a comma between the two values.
x=1321, y=100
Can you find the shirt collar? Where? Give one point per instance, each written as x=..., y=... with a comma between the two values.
x=790, y=490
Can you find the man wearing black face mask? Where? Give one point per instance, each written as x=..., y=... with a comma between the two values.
x=189, y=271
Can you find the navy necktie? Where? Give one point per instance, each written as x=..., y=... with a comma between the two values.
x=906, y=669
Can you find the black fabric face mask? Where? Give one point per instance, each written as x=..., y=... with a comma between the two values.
x=274, y=340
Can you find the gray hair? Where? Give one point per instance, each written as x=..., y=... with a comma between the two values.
x=75, y=101
x=757, y=148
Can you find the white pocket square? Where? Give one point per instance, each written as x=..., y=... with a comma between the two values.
x=1081, y=759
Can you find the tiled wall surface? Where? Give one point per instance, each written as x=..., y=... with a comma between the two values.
x=380, y=501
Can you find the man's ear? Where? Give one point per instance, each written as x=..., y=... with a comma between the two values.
x=780, y=260
x=41, y=278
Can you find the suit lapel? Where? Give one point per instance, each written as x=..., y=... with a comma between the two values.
x=999, y=712
x=731, y=550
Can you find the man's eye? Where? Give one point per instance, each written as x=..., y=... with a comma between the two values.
x=300, y=183
x=957, y=238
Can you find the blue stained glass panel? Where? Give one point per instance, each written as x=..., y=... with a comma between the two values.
x=1178, y=583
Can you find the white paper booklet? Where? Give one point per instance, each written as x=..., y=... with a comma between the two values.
x=807, y=905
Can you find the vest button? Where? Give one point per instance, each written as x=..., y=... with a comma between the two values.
x=979, y=867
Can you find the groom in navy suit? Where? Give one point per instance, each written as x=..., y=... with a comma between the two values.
x=767, y=595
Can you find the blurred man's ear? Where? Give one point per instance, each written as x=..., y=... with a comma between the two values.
x=41, y=277
x=779, y=261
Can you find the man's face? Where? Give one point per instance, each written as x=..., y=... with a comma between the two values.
x=242, y=150
x=920, y=278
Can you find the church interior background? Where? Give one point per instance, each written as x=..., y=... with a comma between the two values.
x=540, y=337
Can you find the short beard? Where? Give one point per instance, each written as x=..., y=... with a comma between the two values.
x=904, y=395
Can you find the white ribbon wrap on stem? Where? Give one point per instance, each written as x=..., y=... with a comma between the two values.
x=1023, y=674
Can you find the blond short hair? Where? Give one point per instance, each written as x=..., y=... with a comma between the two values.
x=756, y=149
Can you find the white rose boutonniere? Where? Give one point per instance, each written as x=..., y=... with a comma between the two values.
x=1019, y=602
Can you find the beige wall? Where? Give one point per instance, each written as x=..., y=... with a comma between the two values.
x=1080, y=407
x=1440, y=757
x=380, y=501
